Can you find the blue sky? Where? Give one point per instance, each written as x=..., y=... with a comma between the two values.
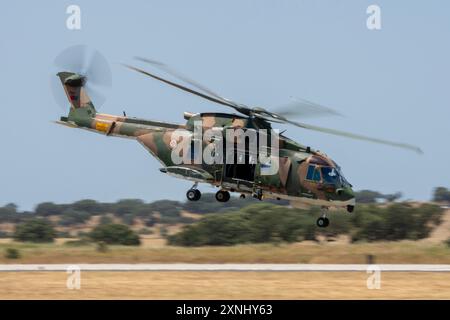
x=391, y=83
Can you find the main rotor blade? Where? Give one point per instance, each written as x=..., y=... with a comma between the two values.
x=176, y=85
x=164, y=67
x=268, y=117
x=355, y=136
x=304, y=108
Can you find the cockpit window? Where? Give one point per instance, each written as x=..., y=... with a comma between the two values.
x=341, y=175
x=313, y=173
x=330, y=175
x=310, y=173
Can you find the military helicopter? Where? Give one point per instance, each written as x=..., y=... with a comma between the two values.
x=303, y=175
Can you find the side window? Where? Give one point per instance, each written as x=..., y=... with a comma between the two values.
x=310, y=174
x=316, y=174
x=313, y=173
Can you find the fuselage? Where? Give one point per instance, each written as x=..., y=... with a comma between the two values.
x=302, y=175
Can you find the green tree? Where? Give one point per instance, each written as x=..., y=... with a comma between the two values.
x=150, y=221
x=266, y=222
x=373, y=229
x=115, y=234
x=105, y=220
x=72, y=217
x=392, y=197
x=12, y=207
x=48, y=209
x=263, y=222
x=190, y=236
x=9, y=213
x=447, y=242
x=35, y=230
x=127, y=206
x=166, y=208
x=128, y=219
x=214, y=230
x=12, y=253
x=441, y=194
x=395, y=222
x=367, y=196
x=90, y=206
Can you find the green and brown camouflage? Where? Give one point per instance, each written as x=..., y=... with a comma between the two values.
x=303, y=175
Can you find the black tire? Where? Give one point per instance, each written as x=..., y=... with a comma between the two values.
x=198, y=195
x=192, y=195
x=322, y=222
x=350, y=208
x=222, y=196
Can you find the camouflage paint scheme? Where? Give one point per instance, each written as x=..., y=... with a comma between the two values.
x=290, y=182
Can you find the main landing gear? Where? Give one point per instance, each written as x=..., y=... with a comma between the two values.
x=222, y=196
x=193, y=194
x=323, y=221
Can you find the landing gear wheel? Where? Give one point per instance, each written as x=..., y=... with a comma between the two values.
x=350, y=208
x=222, y=196
x=258, y=194
x=322, y=222
x=193, y=195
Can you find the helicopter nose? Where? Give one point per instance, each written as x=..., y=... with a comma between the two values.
x=345, y=193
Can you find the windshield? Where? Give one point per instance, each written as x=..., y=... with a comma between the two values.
x=327, y=174
x=341, y=176
x=343, y=180
x=330, y=175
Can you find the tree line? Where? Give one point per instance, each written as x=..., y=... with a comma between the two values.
x=271, y=223
x=237, y=221
x=168, y=211
x=127, y=210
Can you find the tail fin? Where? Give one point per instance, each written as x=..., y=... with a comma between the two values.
x=81, y=107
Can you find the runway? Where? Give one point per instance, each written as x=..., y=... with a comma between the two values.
x=228, y=267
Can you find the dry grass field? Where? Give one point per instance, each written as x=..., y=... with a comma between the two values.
x=224, y=285
x=155, y=251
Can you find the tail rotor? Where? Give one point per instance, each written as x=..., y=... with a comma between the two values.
x=90, y=65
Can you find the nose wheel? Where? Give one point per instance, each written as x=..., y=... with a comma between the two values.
x=222, y=196
x=193, y=194
x=323, y=221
